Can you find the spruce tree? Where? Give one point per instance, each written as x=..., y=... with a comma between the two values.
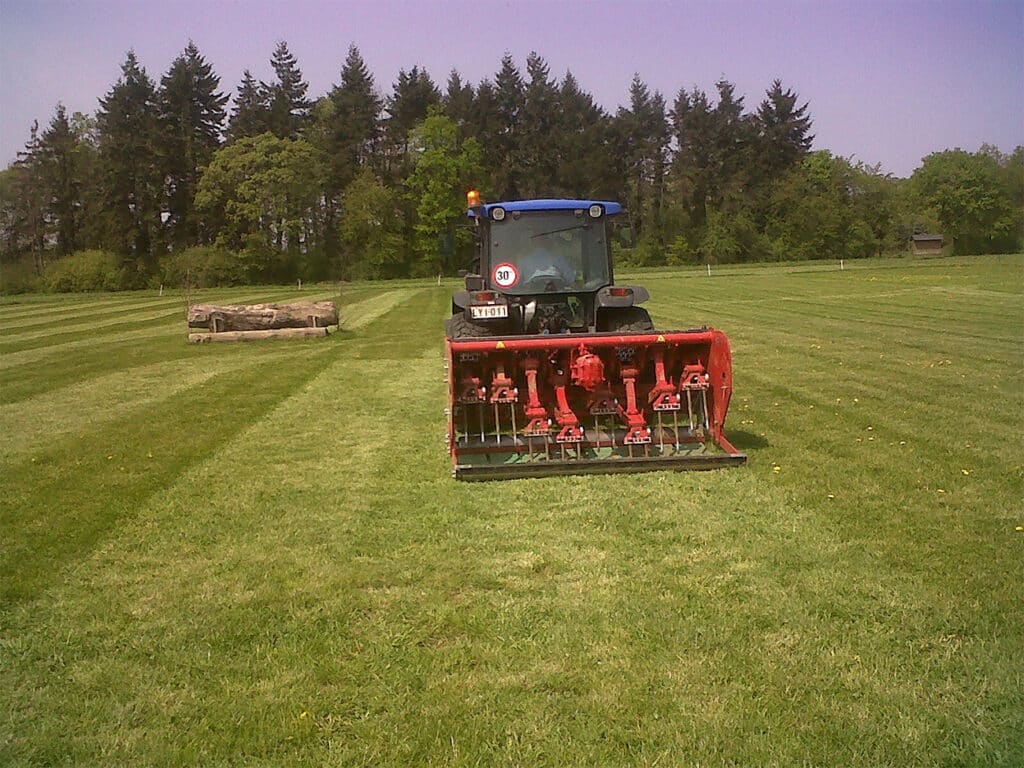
x=784, y=129
x=129, y=133
x=250, y=115
x=586, y=163
x=458, y=102
x=537, y=122
x=644, y=140
x=59, y=174
x=286, y=99
x=25, y=211
x=504, y=149
x=414, y=94
x=355, y=130
x=192, y=119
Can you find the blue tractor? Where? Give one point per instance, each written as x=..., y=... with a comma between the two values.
x=554, y=369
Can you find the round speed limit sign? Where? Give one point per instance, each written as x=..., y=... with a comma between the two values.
x=506, y=275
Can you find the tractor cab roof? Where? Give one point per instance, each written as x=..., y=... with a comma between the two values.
x=610, y=208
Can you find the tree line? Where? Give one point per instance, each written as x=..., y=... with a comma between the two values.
x=165, y=184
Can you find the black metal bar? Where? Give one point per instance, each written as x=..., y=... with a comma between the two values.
x=471, y=472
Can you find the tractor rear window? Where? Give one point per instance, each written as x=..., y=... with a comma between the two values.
x=553, y=251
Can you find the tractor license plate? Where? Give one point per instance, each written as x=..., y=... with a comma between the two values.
x=488, y=311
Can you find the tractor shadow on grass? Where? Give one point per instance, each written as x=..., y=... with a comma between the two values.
x=747, y=441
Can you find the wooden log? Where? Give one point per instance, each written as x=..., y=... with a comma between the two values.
x=276, y=333
x=262, y=317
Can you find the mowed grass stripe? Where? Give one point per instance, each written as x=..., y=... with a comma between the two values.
x=57, y=336
x=362, y=313
x=48, y=316
x=94, y=482
x=67, y=413
x=45, y=374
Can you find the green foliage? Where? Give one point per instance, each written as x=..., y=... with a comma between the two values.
x=86, y=271
x=971, y=199
x=261, y=195
x=681, y=251
x=18, y=274
x=443, y=171
x=203, y=267
x=371, y=230
x=719, y=245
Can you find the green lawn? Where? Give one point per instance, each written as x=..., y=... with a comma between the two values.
x=254, y=554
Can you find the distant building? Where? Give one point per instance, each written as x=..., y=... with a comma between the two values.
x=926, y=245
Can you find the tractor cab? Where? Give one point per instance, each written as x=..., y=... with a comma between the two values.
x=545, y=266
x=545, y=246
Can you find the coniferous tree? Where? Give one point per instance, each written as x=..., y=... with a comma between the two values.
x=486, y=126
x=586, y=164
x=288, y=108
x=25, y=211
x=128, y=126
x=458, y=102
x=250, y=115
x=192, y=119
x=537, y=123
x=505, y=148
x=644, y=135
x=60, y=176
x=355, y=132
x=414, y=94
x=692, y=119
x=784, y=129
x=350, y=136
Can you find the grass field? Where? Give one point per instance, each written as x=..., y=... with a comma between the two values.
x=254, y=554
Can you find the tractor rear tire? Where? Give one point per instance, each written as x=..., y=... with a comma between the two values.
x=626, y=320
x=459, y=327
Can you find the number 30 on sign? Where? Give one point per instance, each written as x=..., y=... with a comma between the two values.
x=506, y=275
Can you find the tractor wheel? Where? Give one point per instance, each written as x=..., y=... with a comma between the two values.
x=627, y=320
x=458, y=327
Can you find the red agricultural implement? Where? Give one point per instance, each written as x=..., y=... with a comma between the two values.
x=553, y=370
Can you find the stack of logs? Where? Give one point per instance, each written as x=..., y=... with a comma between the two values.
x=243, y=322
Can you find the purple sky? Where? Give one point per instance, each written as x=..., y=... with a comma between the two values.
x=887, y=82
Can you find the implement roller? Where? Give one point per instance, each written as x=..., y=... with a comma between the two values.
x=554, y=370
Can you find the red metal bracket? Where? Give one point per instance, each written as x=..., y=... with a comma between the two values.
x=539, y=423
x=638, y=433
